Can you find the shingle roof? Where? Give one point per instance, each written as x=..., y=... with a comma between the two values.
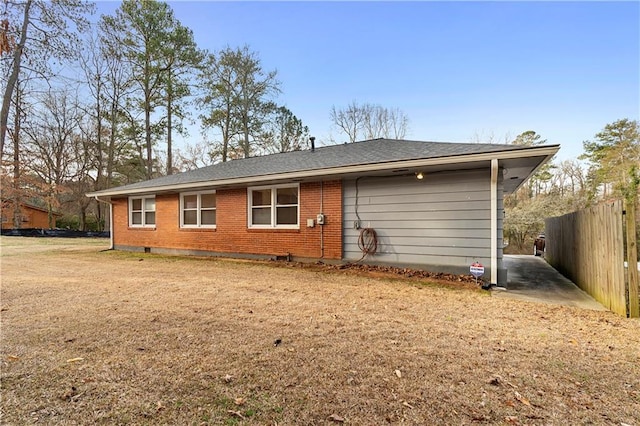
x=375, y=151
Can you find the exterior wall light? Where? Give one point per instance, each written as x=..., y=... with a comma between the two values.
x=419, y=175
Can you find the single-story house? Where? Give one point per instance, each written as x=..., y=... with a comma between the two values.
x=32, y=216
x=431, y=205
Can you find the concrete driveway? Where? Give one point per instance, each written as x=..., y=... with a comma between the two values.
x=532, y=279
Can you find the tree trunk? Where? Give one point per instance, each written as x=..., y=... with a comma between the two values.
x=99, y=215
x=17, y=202
x=112, y=142
x=147, y=129
x=50, y=214
x=245, y=143
x=169, y=129
x=99, y=147
x=147, y=115
x=226, y=135
x=83, y=218
x=13, y=78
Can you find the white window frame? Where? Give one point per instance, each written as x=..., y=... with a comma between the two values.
x=143, y=223
x=198, y=210
x=274, y=206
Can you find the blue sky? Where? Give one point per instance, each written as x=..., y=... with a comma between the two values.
x=461, y=71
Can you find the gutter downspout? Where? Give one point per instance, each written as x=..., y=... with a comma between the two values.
x=110, y=220
x=321, y=226
x=494, y=222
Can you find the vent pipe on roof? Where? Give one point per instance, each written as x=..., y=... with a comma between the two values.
x=312, y=139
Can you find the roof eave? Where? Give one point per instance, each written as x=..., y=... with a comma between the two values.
x=548, y=158
x=548, y=151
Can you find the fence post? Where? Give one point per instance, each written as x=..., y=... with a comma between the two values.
x=632, y=258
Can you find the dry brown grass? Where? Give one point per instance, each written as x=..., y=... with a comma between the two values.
x=91, y=336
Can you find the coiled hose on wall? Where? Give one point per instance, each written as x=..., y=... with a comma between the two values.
x=368, y=241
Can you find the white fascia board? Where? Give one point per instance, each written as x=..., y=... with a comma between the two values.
x=548, y=151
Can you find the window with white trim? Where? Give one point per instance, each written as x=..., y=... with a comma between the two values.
x=274, y=206
x=198, y=210
x=142, y=211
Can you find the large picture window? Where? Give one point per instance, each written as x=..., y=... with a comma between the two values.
x=198, y=210
x=274, y=206
x=142, y=211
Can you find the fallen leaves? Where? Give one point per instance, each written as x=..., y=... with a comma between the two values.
x=375, y=270
x=343, y=337
x=522, y=399
x=75, y=360
x=336, y=418
x=495, y=381
x=71, y=395
x=236, y=414
x=399, y=374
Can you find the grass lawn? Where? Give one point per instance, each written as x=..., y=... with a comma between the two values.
x=93, y=336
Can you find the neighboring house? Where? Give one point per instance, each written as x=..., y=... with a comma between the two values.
x=436, y=206
x=31, y=216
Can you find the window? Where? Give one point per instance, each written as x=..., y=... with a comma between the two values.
x=142, y=211
x=274, y=206
x=198, y=210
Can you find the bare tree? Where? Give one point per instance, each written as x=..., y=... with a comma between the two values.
x=490, y=137
x=398, y=123
x=195, y=157
x=109, y=83
x=43, y=31
x=17, y=192
x=51, y=135
x=349, y=120
x=94, y=66
x=369, y=121
x=85, y=151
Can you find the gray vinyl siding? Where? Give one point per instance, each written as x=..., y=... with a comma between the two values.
x=443, y=221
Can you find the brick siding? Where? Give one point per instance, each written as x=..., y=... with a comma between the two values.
x=31, y=218
x=232, y=234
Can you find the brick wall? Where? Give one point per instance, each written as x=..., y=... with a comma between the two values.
x=31, y=218
x=232, y=234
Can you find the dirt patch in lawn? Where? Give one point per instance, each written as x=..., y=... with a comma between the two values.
x=92, y=336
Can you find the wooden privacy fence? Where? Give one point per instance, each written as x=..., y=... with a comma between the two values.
x=591, y=246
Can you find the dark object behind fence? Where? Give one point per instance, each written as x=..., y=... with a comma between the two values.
x=61, y=233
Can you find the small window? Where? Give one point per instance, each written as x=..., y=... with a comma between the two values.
x=274, y=207
x=198, y=210
x=142, y=211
